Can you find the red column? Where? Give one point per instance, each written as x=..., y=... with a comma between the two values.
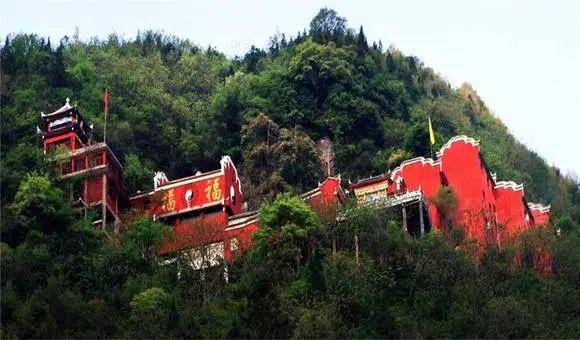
x=104, y=201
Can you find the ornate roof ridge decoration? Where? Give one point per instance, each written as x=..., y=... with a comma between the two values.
x=224, y=162
x=460, y=138
x=337, y=177
x=539, y=207
x=407, y=162
x=509, y=185
x=160, y=179
x=66, y=107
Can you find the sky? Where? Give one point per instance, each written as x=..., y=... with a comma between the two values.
x=522, y=57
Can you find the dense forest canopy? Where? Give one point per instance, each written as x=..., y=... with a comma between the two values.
x=178, y=107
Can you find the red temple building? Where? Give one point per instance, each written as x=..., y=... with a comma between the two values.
x=206, y=212
x=94, y=174
x=487, y=210
x=198, y=207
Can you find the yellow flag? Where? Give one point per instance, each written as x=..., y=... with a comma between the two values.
x=431, y=134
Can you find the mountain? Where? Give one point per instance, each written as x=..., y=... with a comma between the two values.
x=178, y=108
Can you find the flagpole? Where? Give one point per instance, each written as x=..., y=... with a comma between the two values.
x=106, y=102
x=105, y=130
x=431, y=137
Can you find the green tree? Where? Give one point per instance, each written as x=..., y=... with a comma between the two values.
x=38, y=205
x=261, y=165
x=299, y=161
x=144, y=236
x=136, y=175
x=327, y=26
x=565, y=224
x=318, y=67
x=446, y=202
x=150, y=311
x=417, y=140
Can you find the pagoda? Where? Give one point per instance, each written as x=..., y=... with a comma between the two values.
x=93, y=172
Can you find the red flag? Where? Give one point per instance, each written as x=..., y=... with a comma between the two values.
x=106, y=101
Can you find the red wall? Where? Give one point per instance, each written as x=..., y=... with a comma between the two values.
x=512, y=212
x=423, y=174
x=203, y=229
x=466, y=174
x=325, y=199
x=541, y=217
x=94, y=189
x=197, y=194
x=243, y=236
x=203, y=193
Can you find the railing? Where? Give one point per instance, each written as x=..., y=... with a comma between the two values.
x=397, y=198
x=80, y=164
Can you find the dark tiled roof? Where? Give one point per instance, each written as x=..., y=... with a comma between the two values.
x=370, y=180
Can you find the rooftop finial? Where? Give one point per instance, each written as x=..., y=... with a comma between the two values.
x=67, y=101
x=159, y=179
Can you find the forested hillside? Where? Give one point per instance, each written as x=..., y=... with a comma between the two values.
x=178, y=107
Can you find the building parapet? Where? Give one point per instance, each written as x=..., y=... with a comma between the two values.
x=539, y=207
x=509, y=185
x=460, y=138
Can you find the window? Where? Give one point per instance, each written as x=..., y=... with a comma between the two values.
x=52, y=147
x=234, y=244
x=66, y=168
x=233, y=195
x=79, y=164
x=95, y=160
x=59, y=123
x=206, y=256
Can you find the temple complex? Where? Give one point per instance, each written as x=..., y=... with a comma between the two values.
x=207, y=210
